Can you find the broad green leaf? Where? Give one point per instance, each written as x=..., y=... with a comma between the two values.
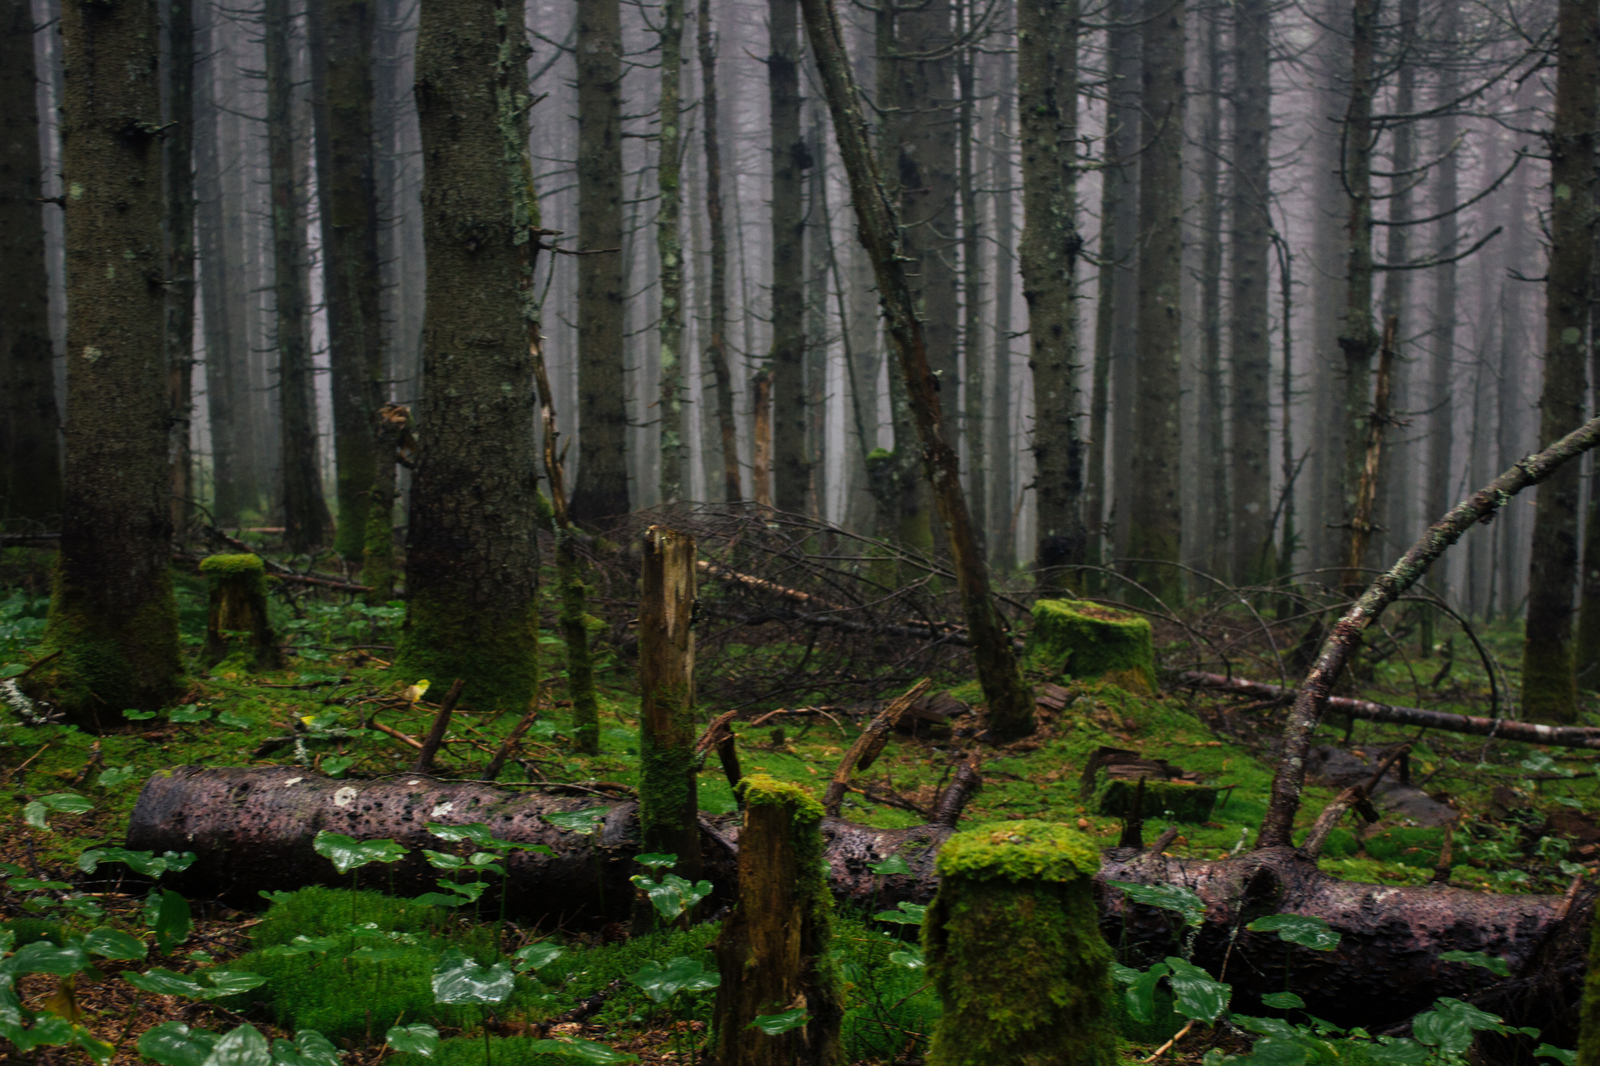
x=778, y=1024
x=167, y=913
x=476, y=832
x=441, y=860
x=1451, y=1023
x=348, y=853
x=894, y=864
x=1283, y=1000
x=911, y=958
x=1561, y=1055
x=203, y=984
x=673, y=895
x=41, y=956
x=1306, y=930
x=115, y=776
x=175, y=1044
x=309, y=1048
x=585, y=1052
x=1199, y=995
x=37, y=811
x=536, y=956
x=680, y=974
x=1141, y=993
x=439, y=899
x=146, y=863
x=584, y=821
x=656, y=862
x=1493, y=963
x=1401, y=1052
x=244, y=1046
x=1275, y=1051
x=113, y=944
x=458, y=979
x=420, y=1039
x=908, y=914
x=334, y=766
x=47, y=1030
x=187, y=714
x=1173, y=898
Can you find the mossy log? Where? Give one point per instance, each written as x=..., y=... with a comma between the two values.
x=1014, y=949
x=773, y=951
x=1088, y=642
x=252, y=829
x=238, y=604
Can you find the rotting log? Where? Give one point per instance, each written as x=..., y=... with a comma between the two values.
x=252, y=829
x=1496, y=728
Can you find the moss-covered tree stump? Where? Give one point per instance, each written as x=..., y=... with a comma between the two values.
x=773, y=951
x=1589, y=1031
x=1015, y=952
x=238, y=610
x=1087, y=642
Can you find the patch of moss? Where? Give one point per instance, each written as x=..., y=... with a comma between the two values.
x=1082, y=640
x=220, y=565
x=1019, y=851
x=443, y=640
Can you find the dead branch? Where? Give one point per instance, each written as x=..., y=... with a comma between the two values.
x=953, y=800
x=869, y=745
x=441, y=722
x=1334, y=812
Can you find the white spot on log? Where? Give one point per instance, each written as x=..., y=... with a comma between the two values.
x=293, y=781
x=413, y=782
x=345, y=796
x=442, y=810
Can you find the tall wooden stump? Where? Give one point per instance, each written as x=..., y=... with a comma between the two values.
x=238, y=605
x=1015, y=951
x=773, y=950
x=668, y=798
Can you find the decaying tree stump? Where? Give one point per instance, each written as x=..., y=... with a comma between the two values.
x=1015, y=950
x=773, y=950
x=238, y=604
x=668, y=798
x=1088, y=642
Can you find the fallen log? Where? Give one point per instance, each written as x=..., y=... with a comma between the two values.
x=1499, y=728
x=253, y=829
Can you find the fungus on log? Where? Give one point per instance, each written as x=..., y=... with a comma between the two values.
x=238, y=604
x=1015, y=951
x=1088, y=642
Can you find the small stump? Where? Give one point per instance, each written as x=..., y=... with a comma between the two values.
x=1088, y=642
x=1111, y=786
x=238, y=606
x=773, y=951
x=1014, y=949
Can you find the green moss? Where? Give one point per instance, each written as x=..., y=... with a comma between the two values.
x=1083, y=640
x=495, y=655
x=764, y=790
x=220, y=565
x=1549, y=688
x=1015, y=952
x=1589, y=1024
x=377, y=554
x=1019, y=851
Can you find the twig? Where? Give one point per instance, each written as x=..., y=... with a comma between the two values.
x=718, y=735
x=441, y=722
x=1162, y=1050
x=869, y=745
x=1335, y=811
x=389, y=730
x=498, y=763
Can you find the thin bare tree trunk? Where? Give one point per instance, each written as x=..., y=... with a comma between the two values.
x=975, y=434
x=1002, y=463
x=791, y=468
x=669, y=253
x=1211, y=474
x=717, y=346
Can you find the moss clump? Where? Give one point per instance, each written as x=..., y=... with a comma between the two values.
x=232, y=565
x=1549, y=688
x=1015, y=952
x=1084, y=641
x=764, y=790
x=494, y=653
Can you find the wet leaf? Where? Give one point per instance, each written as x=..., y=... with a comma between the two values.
x=458, y=979
x=1306, y=930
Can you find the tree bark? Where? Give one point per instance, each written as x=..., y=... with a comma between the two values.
x=30, y=470
x=668, y=798
x=1001, y=460
x=112, y=614
x=1211, y=475
x=1156, y=518
x=669, y=251
x=1010, y=705
x=472, y=559
x=601, y=489
x=1549, y=690
x=1441, y=413
x=972, y=396
x=177, y=149
x=717, y=345
x=1047, y=101
x=791, y=472
x=342, y=96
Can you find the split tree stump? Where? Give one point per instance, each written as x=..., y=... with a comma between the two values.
x=1015, y=951
x=238, y=605
x=668, y=797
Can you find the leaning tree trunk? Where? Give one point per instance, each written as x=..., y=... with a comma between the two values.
x=112, y=614
x=253, y=829
x=1010, y=710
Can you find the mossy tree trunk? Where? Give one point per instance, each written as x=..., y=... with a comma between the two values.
x=774, y=950
x=1015, y=951
x=112, y=613
x=30, y=455
x=1549, y=690
x=668, y=797
x=340, y=40
x=394, y=439
x=472, y=557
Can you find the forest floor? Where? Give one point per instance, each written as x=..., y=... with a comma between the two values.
x=1526, y=826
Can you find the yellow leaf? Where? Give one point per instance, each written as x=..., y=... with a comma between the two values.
x=417, y=691
x=62, y=1002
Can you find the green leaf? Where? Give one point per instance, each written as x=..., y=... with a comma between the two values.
x=894, y=864
x=336, y=765
x=145, y=863
x=138, y=716
x=680, y=974
x=348, y=853
x=115, y=776
x=584, y=821
x=41, y=956
x=167, y=913
x=185, y=715
x=239, y=721
x=908, y=914
x=175, y=1044
x=778, y=1024
x=64, y=802
x=1451, y=1023
x=244, y=1046
x=1493, y=963
x=1199, y=995
x=1173, y=898
x=205, y=984
x=309, y=1048
x=656, y=862
x=911, y=958
x=442, y=860
x=673, y=895
x=1283, y=1000
x=1561, y=1055
x=1401, y=1052
x=420, y=1039
x=439, y=899
x=1306, y=930
x=113, y=944
x=536, y=956
x=1275, y=1051
x=1141, y=993
x=585, y=1052
x=458, y=979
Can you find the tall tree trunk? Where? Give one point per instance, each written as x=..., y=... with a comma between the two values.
x=473, y=555
x=1010, y=704
x=1549, y=692
x=669, y=252
x=1125, y=144
x=1047, y=101
x=305, y=513
x=1249, y=337
x=30, y=456
x=790, y=468
x=342, y=94
x=975, y=436
x=177, y=149
x=1441, y=413
x=1002, y=463
x=1357, y=338
x=1211, y=465
x=717, y=345
x=816, y=323
x=112, y=613
x=1155, y=516
x=601, y=489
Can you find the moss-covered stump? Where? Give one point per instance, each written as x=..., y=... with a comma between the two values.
x=1088, y=642
x=1181, y=801
x=1015, y=952
x=773, y=951
x=1589, y=1033
x=237, y=615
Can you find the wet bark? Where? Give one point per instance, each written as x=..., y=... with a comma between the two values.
x=1211, y=473
x=674, y=441
x=972, y=395
x=717, y=343
x=791, y=472
x=177, y=148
